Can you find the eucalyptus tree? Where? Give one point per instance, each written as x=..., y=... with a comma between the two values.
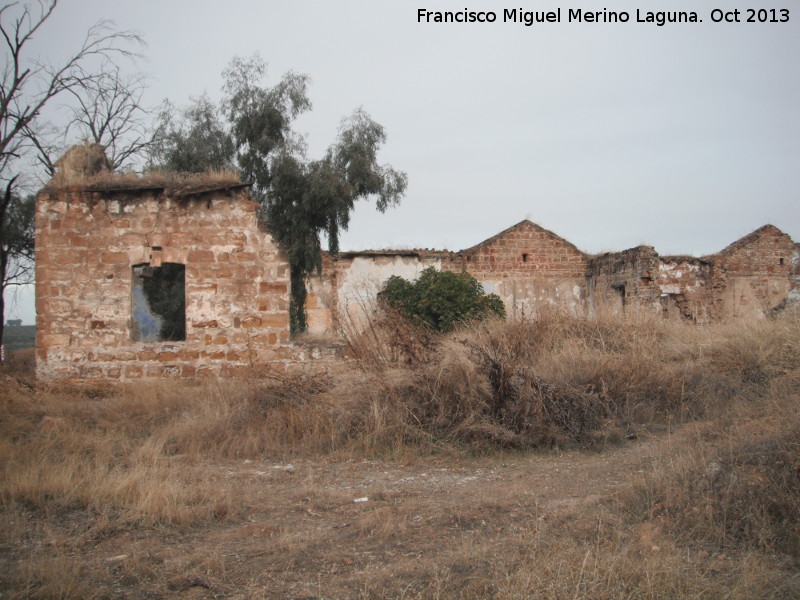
x=301, y=199
x=193, y=139
x=307, y=199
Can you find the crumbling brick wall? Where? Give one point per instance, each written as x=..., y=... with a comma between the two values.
x=618, y=281
x=100, y=250
x=754, y=275
x=87, y=246
x=685, y=285
x=528, y=267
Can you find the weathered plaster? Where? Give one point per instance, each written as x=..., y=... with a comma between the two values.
x=237, y=282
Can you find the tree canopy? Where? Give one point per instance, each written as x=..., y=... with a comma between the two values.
x=192, y=140
x=301, y=199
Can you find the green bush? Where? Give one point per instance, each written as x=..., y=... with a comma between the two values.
x=441, y=299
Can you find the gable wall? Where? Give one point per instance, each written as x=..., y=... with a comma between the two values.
x=528, y=267
x=754, y=275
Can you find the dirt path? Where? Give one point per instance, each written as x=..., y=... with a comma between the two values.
x=325, y=528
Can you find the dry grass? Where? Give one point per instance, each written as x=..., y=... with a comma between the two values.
x=174, y=183
x=190, y=485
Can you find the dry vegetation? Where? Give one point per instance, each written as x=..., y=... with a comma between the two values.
x=86, y=167
x=547, y=458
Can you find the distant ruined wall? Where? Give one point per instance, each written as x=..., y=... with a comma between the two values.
x=88, y=245
x=529, y=267
x=685, y=284
x=755, y=275
x=619, y=281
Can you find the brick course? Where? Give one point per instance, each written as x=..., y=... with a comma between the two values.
x=87, y=243
x=237, y=282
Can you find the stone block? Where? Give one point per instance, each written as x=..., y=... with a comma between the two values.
x=200, y=256
x=114, y=258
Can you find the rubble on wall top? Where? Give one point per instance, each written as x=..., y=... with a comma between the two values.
x=411, y=252
x=175, y=185
x=626, y=252
x=686, y=258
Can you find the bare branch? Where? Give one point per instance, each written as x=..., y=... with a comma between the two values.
x=29, y=84
x=108, y=111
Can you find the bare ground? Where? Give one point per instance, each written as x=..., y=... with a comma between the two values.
x=442, y=527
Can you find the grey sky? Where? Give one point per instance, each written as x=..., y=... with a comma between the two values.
x=684, y=137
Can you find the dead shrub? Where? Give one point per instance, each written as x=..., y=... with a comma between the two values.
x=757, y=352
x=378, y=336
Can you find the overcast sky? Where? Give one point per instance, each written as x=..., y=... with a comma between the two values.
x=684, y=136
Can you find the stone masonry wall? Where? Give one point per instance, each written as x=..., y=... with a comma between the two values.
x=685, y=284
x=528, y=267
x=236, y=284
x=96, y=246
x=754, y=275
x=619, y=280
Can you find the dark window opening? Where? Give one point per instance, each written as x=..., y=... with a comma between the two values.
x=781, y=261
x=159, y=303
x=620, y=289
x=524, y=258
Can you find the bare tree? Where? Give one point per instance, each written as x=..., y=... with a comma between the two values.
x=16, y=243
x=27, y=86
x=107, y=110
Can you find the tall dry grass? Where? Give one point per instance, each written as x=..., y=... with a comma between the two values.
x=553, y=381
x=736, y=484
x=153, y=456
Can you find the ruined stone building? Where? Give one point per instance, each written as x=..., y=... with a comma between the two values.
x=530, y=267
x=142, y=278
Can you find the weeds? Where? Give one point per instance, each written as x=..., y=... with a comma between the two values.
x=143, y=458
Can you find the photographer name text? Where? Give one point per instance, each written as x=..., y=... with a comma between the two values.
x=579, y=15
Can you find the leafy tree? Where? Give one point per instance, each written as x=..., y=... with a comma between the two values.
x=192, y=140
x=301, y=199
x=261, y=118
x=308, y=199
x=441, y=299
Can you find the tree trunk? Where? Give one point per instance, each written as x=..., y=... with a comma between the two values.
x=297, y=303
x=2, y=314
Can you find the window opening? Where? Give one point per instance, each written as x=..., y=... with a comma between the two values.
x=619, y=288
x=781, y=261
x=524, y=258
x=159, y=303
